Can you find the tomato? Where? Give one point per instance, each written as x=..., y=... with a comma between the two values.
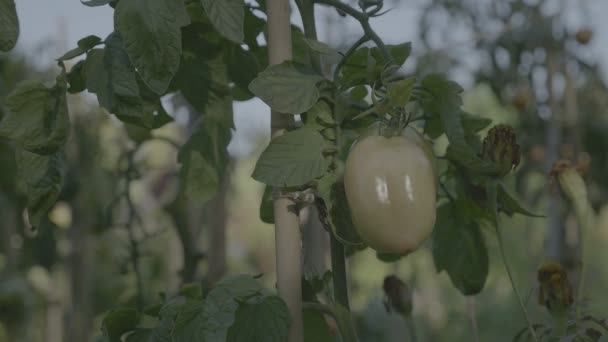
x=391, y=186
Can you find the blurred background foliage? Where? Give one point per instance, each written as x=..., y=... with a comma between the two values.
x=526, y=63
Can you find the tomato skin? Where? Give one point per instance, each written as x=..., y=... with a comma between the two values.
x=390, y=186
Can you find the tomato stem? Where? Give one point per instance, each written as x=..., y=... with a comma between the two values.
x=509, y=273
x=338, y=265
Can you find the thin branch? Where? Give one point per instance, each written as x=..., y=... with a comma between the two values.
x=517, y=294
x=363, y=19
x=349, y=53
x=133, y=215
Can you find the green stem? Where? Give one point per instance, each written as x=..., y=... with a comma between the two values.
x=583, y=222
x=409, y=322
x=338, y=266
x=307, y=12
x=348, y=54
x=363, y=19
x=517, y=294
x=560, y=321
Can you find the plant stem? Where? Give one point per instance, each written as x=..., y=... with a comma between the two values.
x=337, y=249
x=307, y=12
x=288, y=243
x=363, y=19
x=409, y=322
x=517, y=294
x=349, y=53
x=473, y=317
x=338, y=266
x=132, y=240
x=583, y=224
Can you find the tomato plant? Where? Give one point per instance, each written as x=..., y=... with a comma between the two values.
x=356, y=144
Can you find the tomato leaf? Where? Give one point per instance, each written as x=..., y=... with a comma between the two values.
x=160, y=333
x=211, y=319
x=292, y=159
x=267, y=206
x=76, y=78
x=365, y=65
x=474, y=123
x=37, y=117
x=9, y=25
x=243, y=67
x=118, y=322
x=263, y=318
x=110, y=75
x=227, y=16
x=441, y=99
x=41, y=178
x=152, y=38
x=316, y=328
x=459, y=249
x=510, y=205
x=321, y=47
x=204, y=159
x=399, y=92
x=320, y=115
x=288, y=87
x=84, y=45
x=95, y=3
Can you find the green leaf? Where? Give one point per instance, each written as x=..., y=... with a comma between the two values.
x=253, y=27
x=76, y=78
x=399, y=92
x=85, y=44
x=264, y=318
x=41, y=178
x=442, y=99
x=152, y=37
x=320, y=47
x=194, y=81
x=95, y=3
x=288, y=87
x=316, y=328
x=211, y=319
x=160, y=333
x=320, y=112
x=292, y=159
x=243, y=67
x=366, y=64
x=510, y=205
x=204, y=159
x=267, y=206
x=9, y=25
x=37, y=117
x=118, y=322
x=459, y=249
x=227, y=16
x=110, y=76
x=474, y=123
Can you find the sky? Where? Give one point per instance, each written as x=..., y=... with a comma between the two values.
x=51, y=27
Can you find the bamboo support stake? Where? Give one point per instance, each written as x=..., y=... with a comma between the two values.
x=288, y=242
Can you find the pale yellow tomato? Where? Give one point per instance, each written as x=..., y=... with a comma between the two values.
x=390, y=185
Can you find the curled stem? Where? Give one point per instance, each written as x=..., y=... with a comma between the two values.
x=363, y=19
x=348, y=54
x=517, y=294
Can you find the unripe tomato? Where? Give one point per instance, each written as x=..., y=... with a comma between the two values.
x=390, y=185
